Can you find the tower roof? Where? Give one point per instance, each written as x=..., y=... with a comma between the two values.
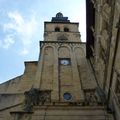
x=60, y=18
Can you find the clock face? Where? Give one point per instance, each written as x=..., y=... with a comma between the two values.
x=65, y=62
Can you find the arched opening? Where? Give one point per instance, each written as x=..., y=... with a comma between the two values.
x=66, y=29
x=57, y=29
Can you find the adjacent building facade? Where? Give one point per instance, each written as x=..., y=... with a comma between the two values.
x=103, y=47
x=71, y=79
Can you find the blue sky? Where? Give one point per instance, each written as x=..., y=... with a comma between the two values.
x=21, y=29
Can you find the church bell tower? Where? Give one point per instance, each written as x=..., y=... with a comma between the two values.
x=59, y=61
x=59, y=86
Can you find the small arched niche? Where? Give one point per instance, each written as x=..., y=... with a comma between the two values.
x=64, y=52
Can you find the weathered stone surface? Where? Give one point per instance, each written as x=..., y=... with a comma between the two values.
x=61, y=85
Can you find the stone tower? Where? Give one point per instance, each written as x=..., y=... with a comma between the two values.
x=60, y=85
x=58, y=67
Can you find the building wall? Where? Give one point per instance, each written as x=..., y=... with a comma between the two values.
x=40, y=92
x=104, y=58
x=50, y=35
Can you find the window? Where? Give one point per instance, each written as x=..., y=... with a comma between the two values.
x=66, y=30
x=67, y=96
x=57, y=29
x=64, y=61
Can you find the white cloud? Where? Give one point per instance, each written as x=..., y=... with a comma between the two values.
x=16, y=17
x=23, y=28
x=8, y=41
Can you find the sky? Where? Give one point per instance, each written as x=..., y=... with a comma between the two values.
x=22, y=27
